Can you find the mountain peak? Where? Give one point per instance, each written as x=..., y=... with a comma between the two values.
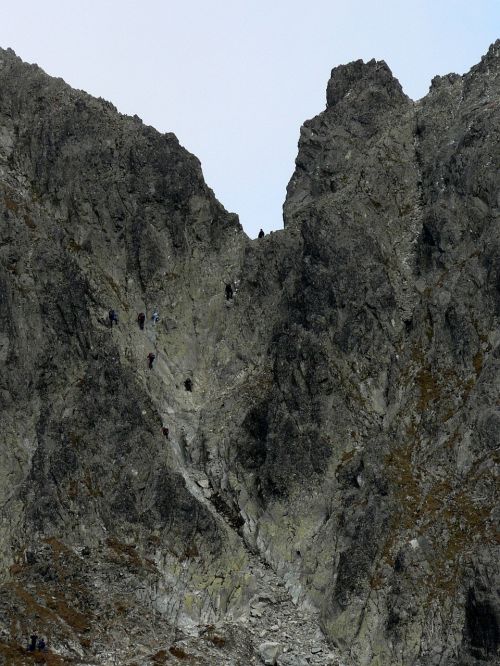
x=358, y=78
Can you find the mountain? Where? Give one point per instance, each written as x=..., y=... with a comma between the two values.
x=327, y=492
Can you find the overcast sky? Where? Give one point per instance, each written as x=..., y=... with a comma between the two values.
x=235, y=79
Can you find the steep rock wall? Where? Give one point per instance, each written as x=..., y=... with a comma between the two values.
x=343, y=423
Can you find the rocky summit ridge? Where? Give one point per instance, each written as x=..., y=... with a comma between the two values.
x=328, y=490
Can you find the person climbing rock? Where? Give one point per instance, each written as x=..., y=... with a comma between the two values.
x=188, y=385
x=141, y=318
x=229, y=292
x=32, y=645
x=155, y=317
x=261, y=234
x=151, y=358
x=165, y=431
x=113, y=318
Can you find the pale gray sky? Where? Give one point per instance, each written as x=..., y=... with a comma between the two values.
x=235, y=79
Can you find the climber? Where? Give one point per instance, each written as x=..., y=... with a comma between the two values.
x=229, y=292
x=155, y=317
x=151, y=358
x=261, y=234
x=32, y=645
x=41, y=645
x=113, y=318
x=141, y=318
x=165, y=431
x=188, y=385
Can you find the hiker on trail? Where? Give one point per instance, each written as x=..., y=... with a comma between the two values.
x=151, y=358
x=165, y=431
x=229, y=292
x=261, y=234
x=141, y=318
x=155, y=317
x=32, y=645
x=41, y=645
x=188, y=385
x=113, y=318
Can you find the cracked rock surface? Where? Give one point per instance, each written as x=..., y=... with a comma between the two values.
x=328, y=490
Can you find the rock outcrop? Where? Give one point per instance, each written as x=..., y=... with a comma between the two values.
x=329, y=485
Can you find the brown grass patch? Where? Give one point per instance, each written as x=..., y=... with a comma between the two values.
x=127, y=550
x=29, y=222
x=178, y=652
x=92, y=490
x=59, y=548
x=10, y=204
x=74, y=247
x=477, y=362
x=160, y=657
x=73, y=618
x=429, y=388
x=377, y=581
x=32, y=606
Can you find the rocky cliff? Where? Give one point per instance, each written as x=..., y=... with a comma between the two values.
x=327, y=492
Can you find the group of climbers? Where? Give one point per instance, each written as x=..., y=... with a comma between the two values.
x=188, y=385
x=39, y=643
x=141, y=318
x=155, y=317
x=36, y=644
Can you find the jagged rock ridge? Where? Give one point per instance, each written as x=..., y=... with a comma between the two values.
x=333, y=472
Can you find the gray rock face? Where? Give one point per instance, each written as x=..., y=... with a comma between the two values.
x=269, y=653
x=333, y=473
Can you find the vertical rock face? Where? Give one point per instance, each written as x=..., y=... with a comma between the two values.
x=100, y=212
x=343, y=423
